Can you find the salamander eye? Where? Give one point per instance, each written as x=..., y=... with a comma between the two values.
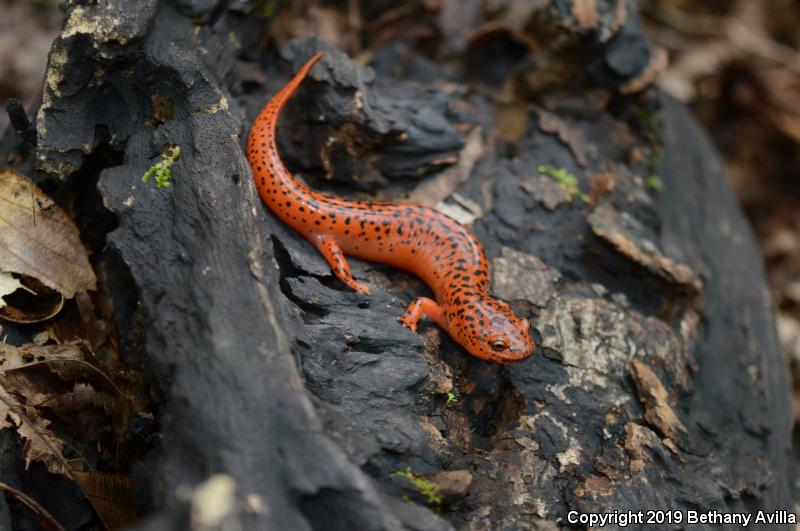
x=498, y=344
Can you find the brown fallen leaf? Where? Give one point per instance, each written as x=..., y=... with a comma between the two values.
x=5, y=412
x=741, y=35
x=14, y=357
x=8, y=285
x=62, y=380
x=74, y=362
x=38, y=239
x=76, y=407
x=27, y=373
x=111, y=495
x=33, y=303
x=39, y=443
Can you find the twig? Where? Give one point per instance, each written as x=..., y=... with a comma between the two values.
x=33, y=505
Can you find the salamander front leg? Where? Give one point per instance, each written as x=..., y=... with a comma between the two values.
x=335, y=257
x=422, y=306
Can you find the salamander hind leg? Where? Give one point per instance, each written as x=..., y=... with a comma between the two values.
x=330, y=249
x=422, y=306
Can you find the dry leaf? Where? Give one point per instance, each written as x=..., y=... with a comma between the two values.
x=77, y=406
x=33, y=304
x=16, y=357
x=31, y=379
x=8, y=285
x=85, y=407
x=111, y=495
x=72, y=362
x=38, y=239
x=40, y=444
x=5, y=411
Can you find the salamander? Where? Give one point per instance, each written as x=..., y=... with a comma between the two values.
x=444, y=254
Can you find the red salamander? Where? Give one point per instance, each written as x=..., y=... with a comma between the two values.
x=445, y=255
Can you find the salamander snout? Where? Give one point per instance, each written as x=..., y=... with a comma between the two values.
x=513, y=344
x=492, y=332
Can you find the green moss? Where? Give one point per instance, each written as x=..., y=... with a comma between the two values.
x=654, y=182
x=567, y=181
x=161, y=171
x=650, y=119
x=451, y=398
x=656, y=157
x=425, y=487
x=268, y=8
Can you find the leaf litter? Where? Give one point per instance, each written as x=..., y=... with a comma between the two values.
x=42, y=384
x=70, y=409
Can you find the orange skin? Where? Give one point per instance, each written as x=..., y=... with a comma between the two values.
x=445, y=255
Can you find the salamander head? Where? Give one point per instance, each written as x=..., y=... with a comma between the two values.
x=489, y=330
